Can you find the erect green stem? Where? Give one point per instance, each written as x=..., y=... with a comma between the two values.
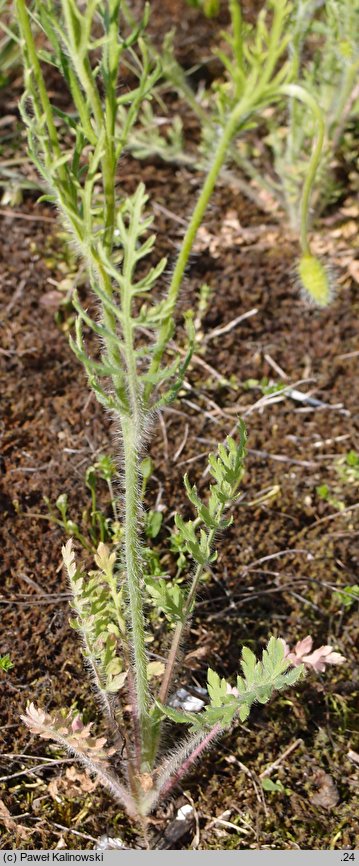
x=172, y=657
x=178, y=632
x=103, y=120
x=131, y=425
x=133, y=566
x=189, y=238
x=236, y=18
x=112, y=54
x=303, y=15
x=98, y=273
x=294, y=90
x=200, y=209
x=27, y=36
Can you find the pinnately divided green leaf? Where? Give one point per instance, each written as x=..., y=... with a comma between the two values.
x=227, y=468
x=259, y=680
x=99, y=618
x=168, y=597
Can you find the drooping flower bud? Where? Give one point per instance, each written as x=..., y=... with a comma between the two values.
x=315, y=280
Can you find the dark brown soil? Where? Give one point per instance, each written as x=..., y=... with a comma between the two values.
x=280, y=562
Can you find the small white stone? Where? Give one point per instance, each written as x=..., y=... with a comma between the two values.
x=184, y=812
x=105, y=843
x=183, y=700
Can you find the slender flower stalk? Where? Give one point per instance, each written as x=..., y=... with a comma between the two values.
x=296, y=92
x=257, y=90
x=326, y=68
x=190, y=237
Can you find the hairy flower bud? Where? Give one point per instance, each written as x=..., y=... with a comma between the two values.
x=315, y=280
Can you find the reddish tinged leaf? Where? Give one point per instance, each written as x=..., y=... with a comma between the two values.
x=316, y=660
x=69, y=730
x=77, y=724
x=11, y=824
x=327, y=795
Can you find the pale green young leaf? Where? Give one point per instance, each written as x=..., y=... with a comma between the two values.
x=168, y=597
x=155, y=669
x=116, y=683
x=177, y=716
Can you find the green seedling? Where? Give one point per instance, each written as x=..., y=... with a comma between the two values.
x=347, y=470
x=5, y=663
x=97, y=524
x=264, y=385
x=347, y=596
x=277, y=787
x=324, y=492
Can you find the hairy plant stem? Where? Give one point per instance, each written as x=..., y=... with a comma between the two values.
x=103, y=120
x=219, y=158
x=29, y=44
x=136, y=733
x=133, y=569
x=108, y=780
x=180, y=627
x=106, y=703
x=176, y=642
x=180, y=762
x=297, y=92
x=131, y=426
x=203, y=744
